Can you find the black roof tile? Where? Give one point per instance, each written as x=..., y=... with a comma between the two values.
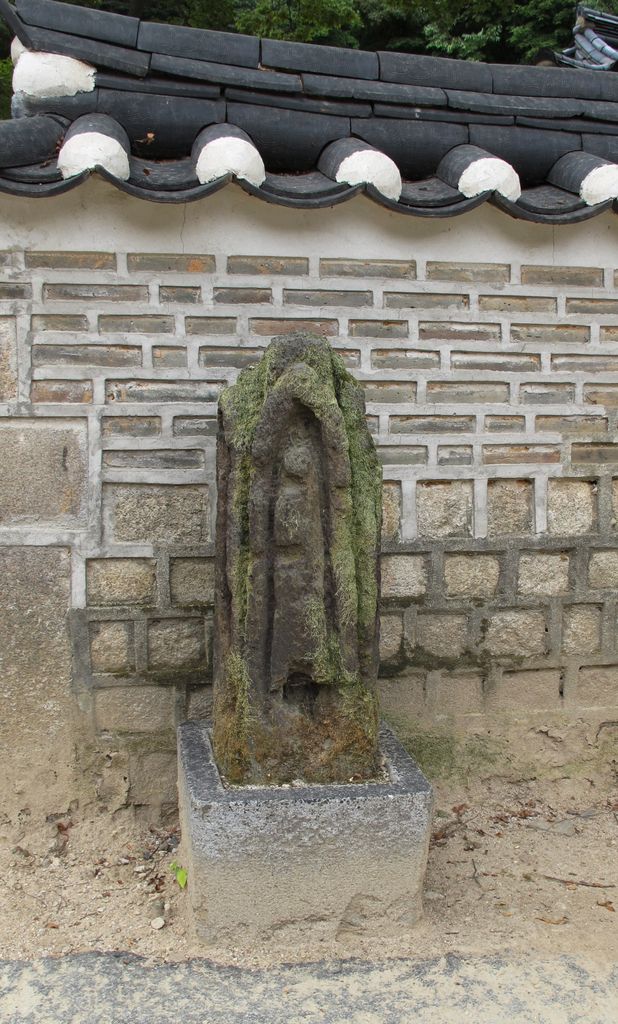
x=201, y=44
x=321, y=59
x=310, y=104
x=383, y=92
x=225, y=74
x=413, y=69
x=79, y=21
x=165, y=84
x=118, y=58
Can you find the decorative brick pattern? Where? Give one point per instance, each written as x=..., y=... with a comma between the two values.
x=492, y=398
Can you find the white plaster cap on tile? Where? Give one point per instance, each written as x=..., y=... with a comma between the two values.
x=84, y=151
x=45, y=75
x=17, y=48
x=370, y=167
x=229, y=154
x=600, y=184
x=490, y=174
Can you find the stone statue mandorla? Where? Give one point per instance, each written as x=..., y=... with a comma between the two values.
x=297, y=589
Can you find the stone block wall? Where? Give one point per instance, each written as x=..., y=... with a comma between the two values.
x=492, y=394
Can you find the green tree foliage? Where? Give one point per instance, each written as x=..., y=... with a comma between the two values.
x=6, y=74
x=333, y=21
x=511, y=32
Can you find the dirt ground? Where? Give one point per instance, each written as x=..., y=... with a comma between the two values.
x=522, y=867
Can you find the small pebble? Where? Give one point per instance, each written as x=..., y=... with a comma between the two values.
x=157, y=923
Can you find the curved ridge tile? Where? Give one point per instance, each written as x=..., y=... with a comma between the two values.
x=166, y=176
x=39, y=190
x=225, y=149
x=591, y=177
x=473, y=171
x=452, y=210
x=574, y=216
x=353, y=162
x=27, y=140
x=187, y=195
x=34, y=174
x=544, y=199
x=316, y=199
x=93, y=141
x=430, y=192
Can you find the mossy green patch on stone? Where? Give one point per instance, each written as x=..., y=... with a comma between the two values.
x=444, y=755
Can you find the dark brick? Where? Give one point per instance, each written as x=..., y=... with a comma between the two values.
x=176, y=293
x=425, y=300
x=505, y=424
x=585, y=364
x=586, y=305
x=233, y=296
x=402, y=455
x=324, y=297
x=268, y=327
x=459, y=332
x=130, y=426
x=609, y=334
x=546, y=394
x=149, y=324
x=174, y=458
x=549, y=333
x=71, y=260
x=351, y=356
x=572, y=425
x=63, y=322
x=509, y=362
x=70, y=391
x=432, y=424
x=455, y=455
x=385, y=391
x=591, y=277
x=459, y=391
x=162, y=391
x=378, y=329
x=195, y=426
x=601, y=394
x=368, y=268
x=295, y=265
x=86, y=355
x=210, y=325
x=236, y=357
x=492, y=273
x=593, y=453
x=15, y=290
x=404, y=358
x=178, y=263
x=169, y=355
x=522, y=453
x=518, y=303
x=101, y=292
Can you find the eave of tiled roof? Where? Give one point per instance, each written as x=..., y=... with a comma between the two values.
x=172, y=114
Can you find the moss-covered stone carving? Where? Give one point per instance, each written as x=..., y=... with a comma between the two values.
x=296, y=607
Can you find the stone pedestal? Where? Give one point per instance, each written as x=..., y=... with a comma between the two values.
x=296, y=865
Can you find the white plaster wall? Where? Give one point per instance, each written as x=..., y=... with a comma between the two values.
x=98, y=216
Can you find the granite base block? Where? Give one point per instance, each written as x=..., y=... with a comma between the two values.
x=297, y=865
